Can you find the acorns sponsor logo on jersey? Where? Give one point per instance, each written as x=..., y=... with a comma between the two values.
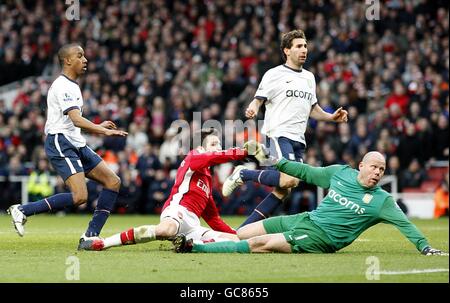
x=299, y=94
x=346, y=202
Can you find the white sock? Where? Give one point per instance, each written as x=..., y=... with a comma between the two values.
x=145, y=233
x=219, y=239
x=114, y=240
x=214, y=236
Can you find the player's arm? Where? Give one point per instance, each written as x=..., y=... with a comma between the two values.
x=319, y=176
x=107, y=128
x=213, y=219
x=199, y=161
x=392, y=214
x=263, y=93
x=254, y=106
x=340, y=115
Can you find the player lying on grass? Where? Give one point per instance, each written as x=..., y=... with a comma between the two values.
x=190, y=199
x=353, y=204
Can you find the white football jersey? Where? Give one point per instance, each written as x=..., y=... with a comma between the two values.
x=288, y=96
x=64, y=95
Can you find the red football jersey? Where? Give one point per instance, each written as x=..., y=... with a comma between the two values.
x=192, y=188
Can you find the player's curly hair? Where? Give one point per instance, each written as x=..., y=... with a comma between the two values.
x=286, y=40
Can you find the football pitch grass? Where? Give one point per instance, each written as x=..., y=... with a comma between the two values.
x=46, y=254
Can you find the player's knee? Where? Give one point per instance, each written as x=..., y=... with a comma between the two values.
x=257, y=243
x=241, y=233
x=114, y=183
x=294, y=183
x=289, y=182
x=79, y=199
x=244, y=233
x=281, y=193
x=166, y=230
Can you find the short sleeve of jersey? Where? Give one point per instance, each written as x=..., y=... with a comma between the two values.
x=314, y=98
x=263, y=91
x=67, y=100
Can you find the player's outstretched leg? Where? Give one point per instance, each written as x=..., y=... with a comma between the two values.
x=240, y=175
x=273, y=200
x=19, y=213
x=233, y=181
x=141, y=234
x=93, y=244
x=267, y=177
x=104, y=207
x=264, y=209
x=106, y=200
x=18, y=218
x=183, y=245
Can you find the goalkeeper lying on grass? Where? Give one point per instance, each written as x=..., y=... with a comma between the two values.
x=353, y=204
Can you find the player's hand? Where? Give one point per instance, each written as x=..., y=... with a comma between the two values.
x=115, y=132
x=429, y=251
x=108, y=125
x=260, y=152
x=340, y=115
x=252, y=110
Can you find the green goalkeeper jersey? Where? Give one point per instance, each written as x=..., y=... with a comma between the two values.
x=350, y=208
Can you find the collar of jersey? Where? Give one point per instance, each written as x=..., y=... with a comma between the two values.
x=295, y=70
x=69, y=79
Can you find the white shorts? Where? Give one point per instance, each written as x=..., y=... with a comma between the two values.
x=188, y=222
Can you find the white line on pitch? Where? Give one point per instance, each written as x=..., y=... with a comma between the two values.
x=414, y=271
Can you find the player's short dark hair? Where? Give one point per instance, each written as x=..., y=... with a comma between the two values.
x=287, y=38
x=205, y=132
x=63, y=52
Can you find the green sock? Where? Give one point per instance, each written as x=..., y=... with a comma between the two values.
x=223, y=247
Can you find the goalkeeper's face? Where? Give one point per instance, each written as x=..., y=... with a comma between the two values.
x=371, y=169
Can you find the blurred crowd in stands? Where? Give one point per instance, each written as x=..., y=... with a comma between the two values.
x=154, y=62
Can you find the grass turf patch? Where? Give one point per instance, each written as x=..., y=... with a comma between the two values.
x=42, y=256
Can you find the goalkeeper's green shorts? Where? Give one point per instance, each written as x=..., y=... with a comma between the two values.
x=302, y=233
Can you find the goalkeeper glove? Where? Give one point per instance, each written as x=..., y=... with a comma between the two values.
x=429, y=251
x=260, y=152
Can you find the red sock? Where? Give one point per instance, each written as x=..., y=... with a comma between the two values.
x=127, y=237
x=209, y=240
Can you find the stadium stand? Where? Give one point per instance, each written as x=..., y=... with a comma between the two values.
x=153, y=62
